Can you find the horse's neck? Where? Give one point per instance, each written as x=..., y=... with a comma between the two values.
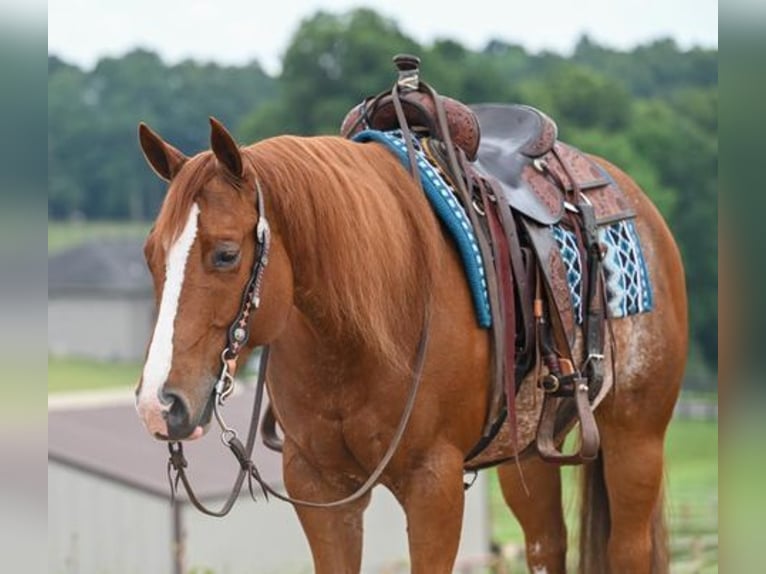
x=360, y=239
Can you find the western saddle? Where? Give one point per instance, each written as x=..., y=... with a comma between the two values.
x=515, y=181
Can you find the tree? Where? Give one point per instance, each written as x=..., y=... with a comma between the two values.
x=332, y=63
x=95, y=167
x=587, y=99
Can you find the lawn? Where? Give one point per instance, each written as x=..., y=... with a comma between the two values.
x=62, y=235
x=692, y=500
x=69, y=374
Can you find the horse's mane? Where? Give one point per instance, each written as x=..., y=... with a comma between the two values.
x=362, y=240
x=360, y=234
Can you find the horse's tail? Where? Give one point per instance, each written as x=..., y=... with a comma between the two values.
x=595, y=524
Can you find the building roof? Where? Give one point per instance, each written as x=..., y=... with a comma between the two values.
x=112, y=265
x=111, y=442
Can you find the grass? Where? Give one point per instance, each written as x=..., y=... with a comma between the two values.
x=745, y=504
x=63, y=235
x=691, y=500
x=67, y=374
x=70, y=374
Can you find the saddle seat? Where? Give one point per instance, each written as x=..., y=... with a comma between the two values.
x=509, y=129
x=520, y=151
x=511, y=137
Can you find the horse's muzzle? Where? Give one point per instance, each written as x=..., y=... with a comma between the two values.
x=171, y=417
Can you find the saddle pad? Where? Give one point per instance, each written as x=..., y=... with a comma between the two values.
x=628, y=289
x=448, y=210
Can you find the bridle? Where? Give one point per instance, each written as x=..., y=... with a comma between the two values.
x=237, y=337
x=239, y=331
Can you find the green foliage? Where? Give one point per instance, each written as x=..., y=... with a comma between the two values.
x=65, y=234
x=656, y=69
x=653, y=111
x=584, y=98
x=332, y=63
x=94, y=166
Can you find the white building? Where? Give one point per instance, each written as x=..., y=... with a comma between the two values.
x=100, y=301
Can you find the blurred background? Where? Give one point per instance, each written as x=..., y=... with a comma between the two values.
x=636, y=83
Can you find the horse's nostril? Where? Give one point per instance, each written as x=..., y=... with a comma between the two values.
x=177, y=416
x=166, y=397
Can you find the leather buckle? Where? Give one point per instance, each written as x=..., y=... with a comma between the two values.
x=477, y=208
x=549, y=383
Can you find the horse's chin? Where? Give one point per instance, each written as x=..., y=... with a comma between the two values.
x=198, y=432
x=203, y=424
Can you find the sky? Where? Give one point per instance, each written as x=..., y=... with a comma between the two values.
x=239, y=31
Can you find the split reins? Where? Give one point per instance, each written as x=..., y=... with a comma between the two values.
x=237, y=336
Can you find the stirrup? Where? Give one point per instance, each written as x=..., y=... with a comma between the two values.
x=590, y=439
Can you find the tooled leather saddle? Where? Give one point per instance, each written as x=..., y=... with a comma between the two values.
x=515, y=180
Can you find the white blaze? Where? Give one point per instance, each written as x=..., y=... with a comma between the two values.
x=159, y=358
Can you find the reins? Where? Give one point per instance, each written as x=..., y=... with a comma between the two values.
x=237, y=336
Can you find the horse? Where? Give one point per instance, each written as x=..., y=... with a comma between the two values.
x=360, y=276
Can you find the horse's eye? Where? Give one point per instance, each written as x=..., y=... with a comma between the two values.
x=226, y=257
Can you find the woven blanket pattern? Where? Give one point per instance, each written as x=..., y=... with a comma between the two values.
x=567, y=243
x=628, y=288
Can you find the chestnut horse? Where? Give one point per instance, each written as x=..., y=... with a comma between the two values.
x=356, y=258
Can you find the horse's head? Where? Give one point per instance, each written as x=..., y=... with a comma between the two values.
x=201, y=253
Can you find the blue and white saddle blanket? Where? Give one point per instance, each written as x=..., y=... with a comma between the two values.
x=628, y=290
x=627, y=280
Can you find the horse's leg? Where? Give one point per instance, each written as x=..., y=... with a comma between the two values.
x=334, y=535
x=650, y=357
x=539, y=511
x=433, y=497
x=633, y=473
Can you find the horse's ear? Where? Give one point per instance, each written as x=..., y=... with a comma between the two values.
x=225, y=148
x=165, y=160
